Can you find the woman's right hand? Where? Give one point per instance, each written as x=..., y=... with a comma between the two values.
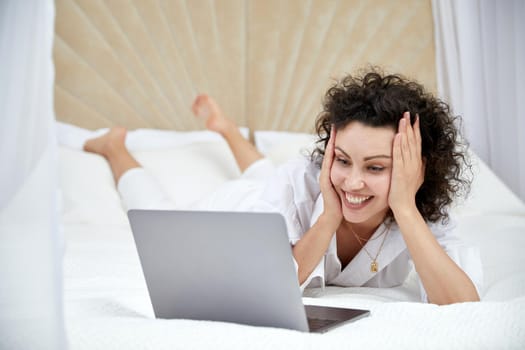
x=332, y=203
x=313, y=245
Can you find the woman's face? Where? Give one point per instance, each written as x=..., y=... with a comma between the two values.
x=361, y=172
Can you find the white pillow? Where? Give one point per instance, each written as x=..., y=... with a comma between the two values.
x=188, y=165
x=74, y=137
x=489, y=195
x=280, y=146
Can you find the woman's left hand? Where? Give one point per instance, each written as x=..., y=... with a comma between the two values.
x=408, y=169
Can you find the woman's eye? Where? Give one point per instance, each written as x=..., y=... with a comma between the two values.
x=376, y=169
x=342, y=161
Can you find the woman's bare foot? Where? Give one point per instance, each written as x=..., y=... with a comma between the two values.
x=245, y=153
x=109, y=143
x=112, y=145
x=206, y=108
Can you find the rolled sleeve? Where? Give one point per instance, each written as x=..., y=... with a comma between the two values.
x=316, y=278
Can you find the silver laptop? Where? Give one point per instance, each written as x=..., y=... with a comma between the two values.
x=226, y=266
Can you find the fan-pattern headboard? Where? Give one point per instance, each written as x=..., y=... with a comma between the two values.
x=267, y=62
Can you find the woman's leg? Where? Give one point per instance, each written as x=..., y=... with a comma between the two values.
x=243, y=150
x=112, y=146
x=137, y=189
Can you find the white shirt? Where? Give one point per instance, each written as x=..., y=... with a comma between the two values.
x=295, y=193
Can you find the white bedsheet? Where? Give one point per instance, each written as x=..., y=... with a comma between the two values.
x=494, y=325
x=107, y=307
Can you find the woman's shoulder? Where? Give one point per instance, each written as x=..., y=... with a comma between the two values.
x=300, y=175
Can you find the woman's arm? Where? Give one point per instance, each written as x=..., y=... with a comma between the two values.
x=444, y=281
x=313, y=245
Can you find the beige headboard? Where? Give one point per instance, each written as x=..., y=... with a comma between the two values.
x=267, y=62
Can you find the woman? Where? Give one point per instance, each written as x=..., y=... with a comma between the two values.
x=371, y=198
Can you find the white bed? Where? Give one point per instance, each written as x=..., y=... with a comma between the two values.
x=106, y=300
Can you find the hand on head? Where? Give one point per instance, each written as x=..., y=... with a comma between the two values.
x=408, y=168
x=332, y=202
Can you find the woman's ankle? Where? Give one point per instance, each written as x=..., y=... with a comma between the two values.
x=111, y=144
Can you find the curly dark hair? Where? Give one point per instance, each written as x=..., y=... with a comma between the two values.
x=379, y=100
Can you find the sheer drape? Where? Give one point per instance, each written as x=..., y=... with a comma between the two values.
x=480, y=48
x=31, y=315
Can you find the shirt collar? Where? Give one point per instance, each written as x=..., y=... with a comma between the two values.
x=358, y=271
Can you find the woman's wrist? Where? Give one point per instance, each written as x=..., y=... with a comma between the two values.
x=328, y=222
x=404, y=213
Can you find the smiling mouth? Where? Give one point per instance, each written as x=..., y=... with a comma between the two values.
x=356, y=200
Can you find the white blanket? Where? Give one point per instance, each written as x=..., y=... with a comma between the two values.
x=107, y=307
x=399, y=325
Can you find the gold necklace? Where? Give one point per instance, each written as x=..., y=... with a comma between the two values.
x=374, y=267
x=365, y=240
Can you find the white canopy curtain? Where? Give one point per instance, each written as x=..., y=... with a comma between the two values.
x=31, y=315
x=480, y=58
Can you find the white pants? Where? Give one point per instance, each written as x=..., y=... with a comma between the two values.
x=139, y=190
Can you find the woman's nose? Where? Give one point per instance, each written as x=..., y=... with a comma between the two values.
x=355, y=182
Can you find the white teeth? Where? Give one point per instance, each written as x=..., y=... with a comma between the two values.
x=355, y=199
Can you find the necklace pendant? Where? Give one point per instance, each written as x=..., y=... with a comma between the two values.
x=373, y=266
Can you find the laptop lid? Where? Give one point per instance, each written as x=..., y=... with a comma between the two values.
x=219, y=266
